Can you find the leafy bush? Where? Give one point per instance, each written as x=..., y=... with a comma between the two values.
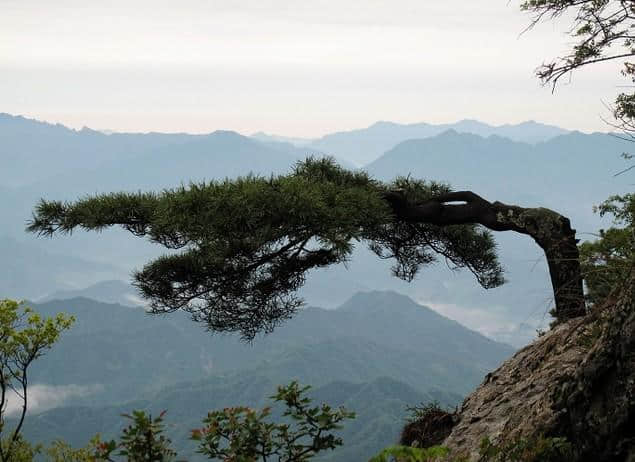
x=60, y=451
x=20, y=450
x=141, y=441
x=239, y=434
x=243, y=434
x=410, y=454
x=24, y=337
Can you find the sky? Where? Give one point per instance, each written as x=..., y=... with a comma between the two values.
x=295, y=68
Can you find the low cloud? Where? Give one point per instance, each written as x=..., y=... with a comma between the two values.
x=43, y=397
x=488, y=322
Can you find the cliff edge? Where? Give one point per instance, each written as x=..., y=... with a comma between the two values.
x=576, y=381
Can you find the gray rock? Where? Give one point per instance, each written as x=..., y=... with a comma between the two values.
x=576, y=381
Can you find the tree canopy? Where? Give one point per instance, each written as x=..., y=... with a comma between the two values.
x=241, y=248
x=602, y=30
x=24, y=337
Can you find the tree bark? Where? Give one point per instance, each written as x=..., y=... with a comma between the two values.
x=550, y=230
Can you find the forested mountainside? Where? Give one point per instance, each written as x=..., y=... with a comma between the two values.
x=380, y=406
x=377, y=353
x=365, y=145
x=111, y=341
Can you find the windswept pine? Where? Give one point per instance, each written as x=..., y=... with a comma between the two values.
x=244, y=246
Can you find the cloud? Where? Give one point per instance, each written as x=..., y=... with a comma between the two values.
x=491, y=323
x=42, y=397
x=298, y=68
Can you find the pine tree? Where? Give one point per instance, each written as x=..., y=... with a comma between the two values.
x=243, y=247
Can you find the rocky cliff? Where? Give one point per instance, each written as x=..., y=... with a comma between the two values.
x=576, y=381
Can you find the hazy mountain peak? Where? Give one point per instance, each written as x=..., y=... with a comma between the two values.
x=110, y=291
x=470, y=123
x=12, y=122
x=384, y=124
x=379, y=299
x=363, y=146
x=89, y=131
x=452, y=133
x=228, y=133
x=268, y=138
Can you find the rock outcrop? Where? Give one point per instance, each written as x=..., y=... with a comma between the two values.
x=575, y=381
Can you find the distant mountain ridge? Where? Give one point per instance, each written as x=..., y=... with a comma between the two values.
x=111, y=291
x=33, y=151
x=33, y=148
x=29, y=270
x=262, y=136
x=362, y=146
x=391, y=325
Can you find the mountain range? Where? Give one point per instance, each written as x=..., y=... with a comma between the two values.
x=379, y=344
x=28, y=269
x=365, y=145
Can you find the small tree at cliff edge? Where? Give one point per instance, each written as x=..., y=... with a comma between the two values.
x=24, y=337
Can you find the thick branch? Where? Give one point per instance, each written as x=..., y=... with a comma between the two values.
x=550, y=230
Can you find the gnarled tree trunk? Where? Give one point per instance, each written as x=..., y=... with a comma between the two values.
x=550, y=230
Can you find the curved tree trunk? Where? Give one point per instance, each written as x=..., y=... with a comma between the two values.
x=550, y=230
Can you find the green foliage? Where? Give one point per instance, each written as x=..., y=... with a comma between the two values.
x=539, y=449
x=607, y=262
x=245, y=245
x=242, y=434
x=239, y=434
x=24, y=337
x=142, y=440
x=20, y=450
x=410, y=454
x=601, y=30
x=60, y=451
x=414, y=245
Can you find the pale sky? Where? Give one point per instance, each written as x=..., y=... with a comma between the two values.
x=291, y=67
